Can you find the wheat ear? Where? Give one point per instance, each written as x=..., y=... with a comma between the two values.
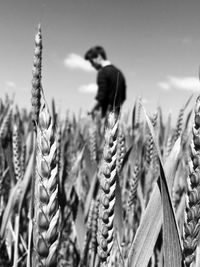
x=121, y=149
x=16, y=153
x=179, y=124
x=46, y=209
x=93, y=143
x=107, y=177
x=36, y=80
x=192, y=224
x=133, y=186
x=5, y=126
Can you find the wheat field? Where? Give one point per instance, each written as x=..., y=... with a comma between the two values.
x=97, y=192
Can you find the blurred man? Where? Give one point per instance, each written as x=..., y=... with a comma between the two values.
x=110, y=81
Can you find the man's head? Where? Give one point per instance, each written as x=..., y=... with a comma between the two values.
x=96, y=55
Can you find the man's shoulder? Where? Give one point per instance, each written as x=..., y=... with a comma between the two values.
x=110, y=68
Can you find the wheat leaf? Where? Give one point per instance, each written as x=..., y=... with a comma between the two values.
x=20, y=187
x=143, y=244
x=171, y=236
x=147, y=233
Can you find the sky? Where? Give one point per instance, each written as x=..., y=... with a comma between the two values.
x=155, y=43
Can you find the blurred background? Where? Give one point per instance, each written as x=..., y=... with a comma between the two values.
x=155, y=44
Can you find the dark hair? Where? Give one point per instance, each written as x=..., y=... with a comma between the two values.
x=94, y=52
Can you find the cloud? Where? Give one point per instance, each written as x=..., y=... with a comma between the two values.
x=88, y=89
x=10, y=84
x=164, y=85
x=181, y=83
x=75, y=61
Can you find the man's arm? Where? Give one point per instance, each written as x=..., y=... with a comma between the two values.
x=101, y=97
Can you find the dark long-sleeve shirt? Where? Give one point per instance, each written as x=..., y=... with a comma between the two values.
x=111, y=88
